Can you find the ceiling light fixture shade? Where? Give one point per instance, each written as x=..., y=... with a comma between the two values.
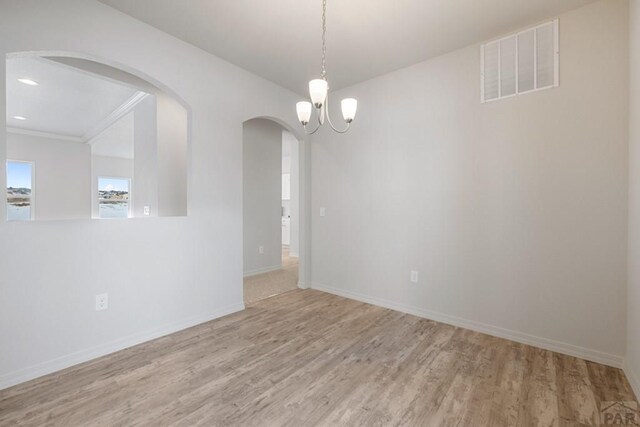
x=349, y=107
x=318, y=89
x=319, y=94
x=27, y=81
x=303, y=109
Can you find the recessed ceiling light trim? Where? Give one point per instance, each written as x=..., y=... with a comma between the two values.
x=28, y=81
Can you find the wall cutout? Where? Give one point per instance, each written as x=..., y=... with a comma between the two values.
x=98, y=142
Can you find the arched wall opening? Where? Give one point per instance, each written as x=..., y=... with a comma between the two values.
x=274, y=209
x=89, y=138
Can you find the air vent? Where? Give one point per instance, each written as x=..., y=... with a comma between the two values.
x=520, y=63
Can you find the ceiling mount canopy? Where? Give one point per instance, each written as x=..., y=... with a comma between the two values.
x=319, y=94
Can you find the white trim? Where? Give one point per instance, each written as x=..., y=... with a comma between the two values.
x=52, y=62
x=37, y=133
x=96, y=130
x=115, y=115
x=262, y=270
x=556, y=44
x=535, y=57
x=517, y=63
x=22, y=375
x=303, y=285
x=500, y=67
x=293, y=254
x=633, y=377
x=521, y=337
x=520, y=93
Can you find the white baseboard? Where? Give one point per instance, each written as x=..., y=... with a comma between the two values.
x=633, y=377
x=66, y=361
x=262, y=270
x=302, y=285
x=521, y=337
x=294, y=254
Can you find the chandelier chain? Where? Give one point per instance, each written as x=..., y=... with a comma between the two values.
x=319, y=91
x=323, y=74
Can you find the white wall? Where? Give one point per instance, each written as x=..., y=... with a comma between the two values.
x=145, y=171
x=116, y=140
x=262, y=194
x=62, y=175
x=172, y=156
x=171, y=272
x=633, y=298
x=513, y=212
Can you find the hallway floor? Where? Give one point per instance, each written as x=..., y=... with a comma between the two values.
x=273, y=283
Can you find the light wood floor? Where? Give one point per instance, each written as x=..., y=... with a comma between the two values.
x=309, y=358
x=266, y=285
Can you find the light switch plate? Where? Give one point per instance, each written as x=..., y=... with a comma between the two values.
x=323, y=211
x=261, y=249
x=414, y=276
x=147, y=211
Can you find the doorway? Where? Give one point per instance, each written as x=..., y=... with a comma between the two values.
x=271, y=213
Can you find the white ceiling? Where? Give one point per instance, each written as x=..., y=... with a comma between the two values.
x=280, y=39
x=68, y=102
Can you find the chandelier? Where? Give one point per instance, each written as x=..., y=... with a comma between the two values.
x=319, y=93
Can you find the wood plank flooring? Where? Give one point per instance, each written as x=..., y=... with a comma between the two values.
x=308, y=358
x=277, y=282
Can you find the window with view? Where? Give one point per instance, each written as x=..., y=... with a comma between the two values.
x=20, y=191
x=114, y=197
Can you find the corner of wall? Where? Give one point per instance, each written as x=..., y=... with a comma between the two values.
x=633, y=377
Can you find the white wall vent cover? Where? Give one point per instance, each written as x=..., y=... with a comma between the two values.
x=520, y=63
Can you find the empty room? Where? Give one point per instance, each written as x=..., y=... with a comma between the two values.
x=320, y=213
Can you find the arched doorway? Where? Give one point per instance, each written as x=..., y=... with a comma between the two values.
x=274, y=241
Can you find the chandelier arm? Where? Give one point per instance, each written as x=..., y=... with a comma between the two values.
x=329, y=118
x=311, y=132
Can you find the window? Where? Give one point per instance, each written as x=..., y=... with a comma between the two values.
x=523, y=62
x=20, y=191
x=113, y=197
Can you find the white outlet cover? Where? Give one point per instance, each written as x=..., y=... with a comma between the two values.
x=414, y=276
x=261, y=249
x=102, y=302
x=147, y=210
x=323, y=211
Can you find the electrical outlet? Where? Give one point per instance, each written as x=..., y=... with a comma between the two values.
x=414, y=276
x=261, y=250
x=147, y=211
x=102, y=302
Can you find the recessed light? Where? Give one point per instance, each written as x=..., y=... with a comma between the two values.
x=28, y=81
x=19, y=118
